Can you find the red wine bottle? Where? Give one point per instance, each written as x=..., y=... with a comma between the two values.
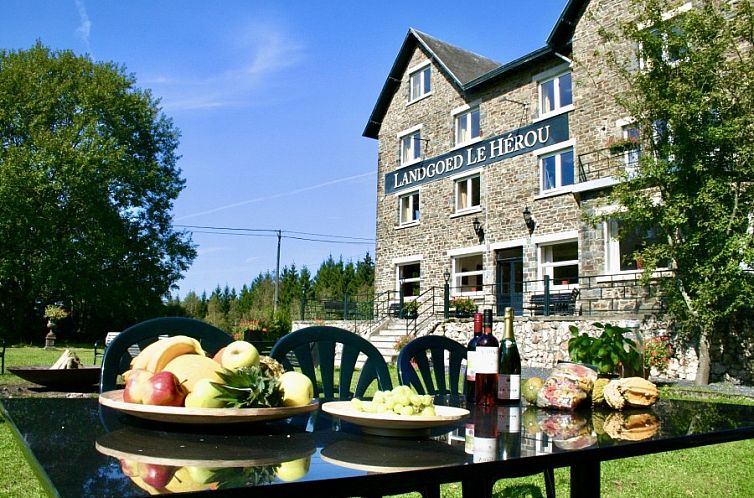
x=485, y=364
x=470, y=368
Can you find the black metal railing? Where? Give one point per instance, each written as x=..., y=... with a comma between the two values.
x=593, y=295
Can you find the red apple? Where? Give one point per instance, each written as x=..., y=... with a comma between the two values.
x=155, y=475
x=129, y=467
x=219, y=356
x=136, y=385
x=164, y=389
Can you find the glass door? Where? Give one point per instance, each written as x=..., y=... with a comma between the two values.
x=509, y=280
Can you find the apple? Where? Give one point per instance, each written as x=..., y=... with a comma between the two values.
x=129, y=467
x=239, y=354
x=293, y=470
x=164, y=389
x=155, y=475
x=298, y=389
x=219, y=356
x=136, y=385
x=204, y=395
x=201, y=475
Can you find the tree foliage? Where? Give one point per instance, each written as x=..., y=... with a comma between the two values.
x=692, y=98
x=88, y=177
x=253, y=307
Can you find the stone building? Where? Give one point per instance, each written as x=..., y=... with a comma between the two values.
x=485, y=170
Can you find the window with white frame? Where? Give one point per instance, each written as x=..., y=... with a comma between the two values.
x=621, y=248
x=671, y=46
x=420, y=83
x=631, y=153
x=555, y=93
x=467, y=126
x=468, y=193
x=409, y=278
x=560, y=261
x=556, y=169
x=411, y=147
x=409, y=208
x=468, y=273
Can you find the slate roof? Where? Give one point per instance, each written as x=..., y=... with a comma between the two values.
x=466, y=70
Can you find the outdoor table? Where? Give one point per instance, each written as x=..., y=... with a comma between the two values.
x=78, y=448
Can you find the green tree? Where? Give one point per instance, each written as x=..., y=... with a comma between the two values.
x=88, y=177
x=692, y=97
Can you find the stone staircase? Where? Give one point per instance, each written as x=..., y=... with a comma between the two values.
x=384, y=338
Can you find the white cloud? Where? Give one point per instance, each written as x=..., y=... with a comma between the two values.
x=84, y=28
x=263, y=51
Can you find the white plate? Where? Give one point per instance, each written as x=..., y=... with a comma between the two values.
x=392, y=424
x=182, y=415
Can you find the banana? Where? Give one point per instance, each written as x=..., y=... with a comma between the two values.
x=155, y=356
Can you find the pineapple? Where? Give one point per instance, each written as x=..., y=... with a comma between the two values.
x=250, y=387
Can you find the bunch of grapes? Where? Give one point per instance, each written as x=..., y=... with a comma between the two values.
x=402, y=400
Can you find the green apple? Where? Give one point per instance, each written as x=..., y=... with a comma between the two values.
x=204, y=395
x=201, y=475
x=298, y=389
x=239, y=354
x=293, y=470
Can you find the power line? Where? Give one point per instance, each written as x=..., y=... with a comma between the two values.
x=326, y=238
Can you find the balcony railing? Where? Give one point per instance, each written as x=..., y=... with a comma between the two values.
x=598, y=295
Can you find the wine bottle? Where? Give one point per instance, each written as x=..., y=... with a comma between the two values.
x=470, y=368
x=484, y=445
x=485, y=364
x=509, y=432
x=508, y=365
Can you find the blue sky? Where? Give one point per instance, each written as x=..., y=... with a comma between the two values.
x=271, y=99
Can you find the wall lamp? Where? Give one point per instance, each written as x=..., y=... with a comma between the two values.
x=530, y=223
x=446, y=276
x=478, y=230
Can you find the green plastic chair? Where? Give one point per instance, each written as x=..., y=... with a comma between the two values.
x=116, y=358
x=312, y=349
x=429, y=354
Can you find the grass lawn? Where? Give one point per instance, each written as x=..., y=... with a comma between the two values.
x=710, y=471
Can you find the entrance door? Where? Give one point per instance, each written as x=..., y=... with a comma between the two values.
x=509, y=280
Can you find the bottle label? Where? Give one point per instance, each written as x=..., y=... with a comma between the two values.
x=508, y=387
x=470, y=367
x=485, y=360
x=484, y=449
x=509, y=419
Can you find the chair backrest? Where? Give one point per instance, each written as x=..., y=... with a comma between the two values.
x=314, y=348
x=428, y=353
x=117, y=358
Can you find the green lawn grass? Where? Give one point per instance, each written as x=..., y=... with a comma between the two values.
x=709, y=471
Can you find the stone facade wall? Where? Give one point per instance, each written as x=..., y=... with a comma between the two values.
x=543, y=342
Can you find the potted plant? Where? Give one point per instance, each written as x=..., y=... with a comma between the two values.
x=411, y=309
x=621, y=145
x=611, y=352
x=657, y=353
x=54, y=313
x=464, y=307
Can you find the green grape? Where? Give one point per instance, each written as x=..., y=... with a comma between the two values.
x=416, y=400
x=407, y=410
x=428, y=411
x=398, y=408
x=403, y=399
x=378, y=397
x=368, y=406
x=357, y=404
x=427, y=400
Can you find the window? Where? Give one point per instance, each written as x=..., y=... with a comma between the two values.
x=560, y=261
x=467, y=126
x=669, y=44
x=557, y=170
x=619, y=255
x=555, y=94
x=419, y=84
x=409, y=208
x=411, y=147
x=468, y=274
x=631, y=154
x=409, y=279
x=468, y=193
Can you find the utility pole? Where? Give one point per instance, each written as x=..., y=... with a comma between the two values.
x=277, y=277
